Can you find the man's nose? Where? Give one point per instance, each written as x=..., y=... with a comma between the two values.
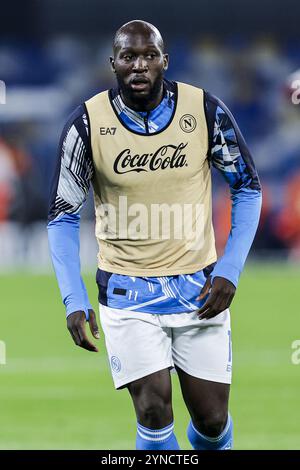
x=140, y=64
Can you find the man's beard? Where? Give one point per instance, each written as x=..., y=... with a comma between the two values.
x=141, y=99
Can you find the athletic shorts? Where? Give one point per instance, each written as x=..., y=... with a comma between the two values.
x=139, y=344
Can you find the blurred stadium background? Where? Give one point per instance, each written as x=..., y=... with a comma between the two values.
x=54, y=55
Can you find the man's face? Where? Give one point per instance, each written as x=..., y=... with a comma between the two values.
x=139, y=64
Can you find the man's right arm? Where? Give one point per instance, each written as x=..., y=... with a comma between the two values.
x=70, y=187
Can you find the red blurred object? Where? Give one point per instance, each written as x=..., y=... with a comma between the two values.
x=288, y=221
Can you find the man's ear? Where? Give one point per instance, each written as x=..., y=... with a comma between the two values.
x=166, y=61
x=112, y=64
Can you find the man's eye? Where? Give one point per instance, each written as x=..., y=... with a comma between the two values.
x=127, y=57
x=151, y=56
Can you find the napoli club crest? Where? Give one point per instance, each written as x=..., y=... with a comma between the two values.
x=188, y=123
x=115, y=363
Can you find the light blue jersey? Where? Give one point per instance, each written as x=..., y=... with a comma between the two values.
x=166, y=294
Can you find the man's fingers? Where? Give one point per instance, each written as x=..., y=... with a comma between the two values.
x=76, y=325
x=220, y=297
x=206, y=307
x=93, y=324
x=214, y=305
x=75, y=337
x=211, y=300
x=209, y=313
x=84, y=341
x=205, y=289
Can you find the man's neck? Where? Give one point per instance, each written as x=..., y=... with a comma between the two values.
x=141, y=106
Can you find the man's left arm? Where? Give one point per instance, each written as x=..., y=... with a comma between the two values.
x=229, y=153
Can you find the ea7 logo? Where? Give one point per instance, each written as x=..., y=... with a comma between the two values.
x=108, y=130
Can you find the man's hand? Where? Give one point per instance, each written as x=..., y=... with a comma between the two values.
x=220, y=294
x=76, y=326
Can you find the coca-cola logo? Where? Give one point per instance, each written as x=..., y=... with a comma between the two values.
x=167, y=156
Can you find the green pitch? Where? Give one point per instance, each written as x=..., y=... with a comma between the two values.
x=54, y=395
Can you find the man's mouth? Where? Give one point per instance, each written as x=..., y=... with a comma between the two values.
x=139, y=83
